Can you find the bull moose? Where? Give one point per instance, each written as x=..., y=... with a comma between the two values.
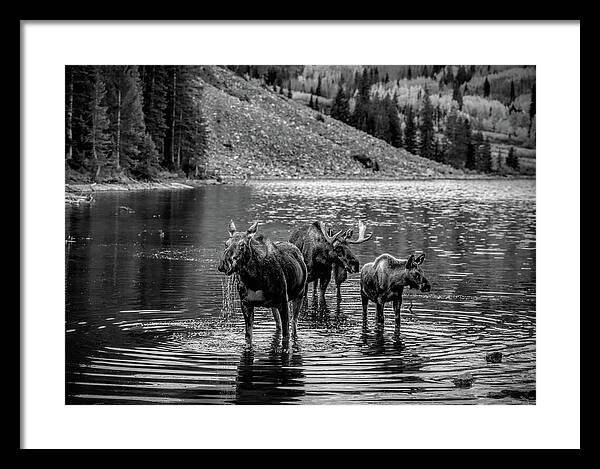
x=384, y=279
x=322, y=249
x=270, y=274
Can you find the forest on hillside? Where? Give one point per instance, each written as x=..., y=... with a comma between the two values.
x=452, y=114
x=146, y=122
x=133, y=121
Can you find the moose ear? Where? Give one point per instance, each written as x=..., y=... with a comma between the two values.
x=253, y=228
x=410, y=263
x=419, y=260
x=231, y=228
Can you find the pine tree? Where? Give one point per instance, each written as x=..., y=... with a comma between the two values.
x=133, y=131
x=171, y=113
x=471, y=161
x=439, y=151
x=127, y=127
x=98, y=137
x=457, y=95
x=461, y=75
x=512, y=91
x=69, y=72
x=190, y=126
x=471, y=72
x=531, y=110
x=395, y=126
x=483, y=153
x=426, y=128
x=512, y=160
x=340, y=108
x=410, y=134
x=318, y=90
x=458, y=133
x=289, y=94
x=361, y=108
x=486, y=88
x=155, y=83
x=78, y=105
x=311, y=104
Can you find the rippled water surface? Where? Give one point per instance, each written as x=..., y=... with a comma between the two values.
x=147, y=322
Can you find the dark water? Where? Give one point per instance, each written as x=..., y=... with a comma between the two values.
x=146, y=320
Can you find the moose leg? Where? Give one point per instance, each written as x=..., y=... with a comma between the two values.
x=296, y=305
x=323, y=283
x=277, y=319
x=340, y=276
x=397, y=305
x=379, y=314
x=248, y=312
x=285, y=324
x=365, y=305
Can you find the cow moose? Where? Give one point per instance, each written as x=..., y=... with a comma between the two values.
x=322, y=249
x=384, y=279
x=271, y=274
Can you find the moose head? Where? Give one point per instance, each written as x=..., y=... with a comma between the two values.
x=340, y=241
x=237, y=248
x=413, y=274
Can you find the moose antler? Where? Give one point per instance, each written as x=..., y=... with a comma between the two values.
x=361, y=234
x=325, y=232
x=231, y=228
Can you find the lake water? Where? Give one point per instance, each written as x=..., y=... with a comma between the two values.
x=147, y=322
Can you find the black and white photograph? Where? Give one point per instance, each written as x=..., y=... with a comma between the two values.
x=331, y=235
x=300, y=234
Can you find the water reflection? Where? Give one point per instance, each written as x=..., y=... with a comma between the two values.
x=144, y=308
x=272, y=379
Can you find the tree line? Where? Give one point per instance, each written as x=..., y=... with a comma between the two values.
x=444, y=126
x=457, y=145
x=133, y=120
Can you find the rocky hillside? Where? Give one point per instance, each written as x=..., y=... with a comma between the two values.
x=254, y=132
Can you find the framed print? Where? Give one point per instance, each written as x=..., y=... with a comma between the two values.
x=333, y=226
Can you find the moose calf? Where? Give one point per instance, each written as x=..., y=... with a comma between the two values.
x=384, y=280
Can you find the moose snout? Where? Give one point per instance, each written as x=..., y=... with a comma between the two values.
x=425, y=286
x=224, y=265
x=354, y=266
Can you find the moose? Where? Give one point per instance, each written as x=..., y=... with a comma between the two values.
x=340, y=274
x=384, y=279
x=270, y=275
x=322, y=249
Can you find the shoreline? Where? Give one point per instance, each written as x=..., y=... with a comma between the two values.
x=181, y=184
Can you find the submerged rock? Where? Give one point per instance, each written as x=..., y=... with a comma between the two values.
x=464, y=381
x=493, y=357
